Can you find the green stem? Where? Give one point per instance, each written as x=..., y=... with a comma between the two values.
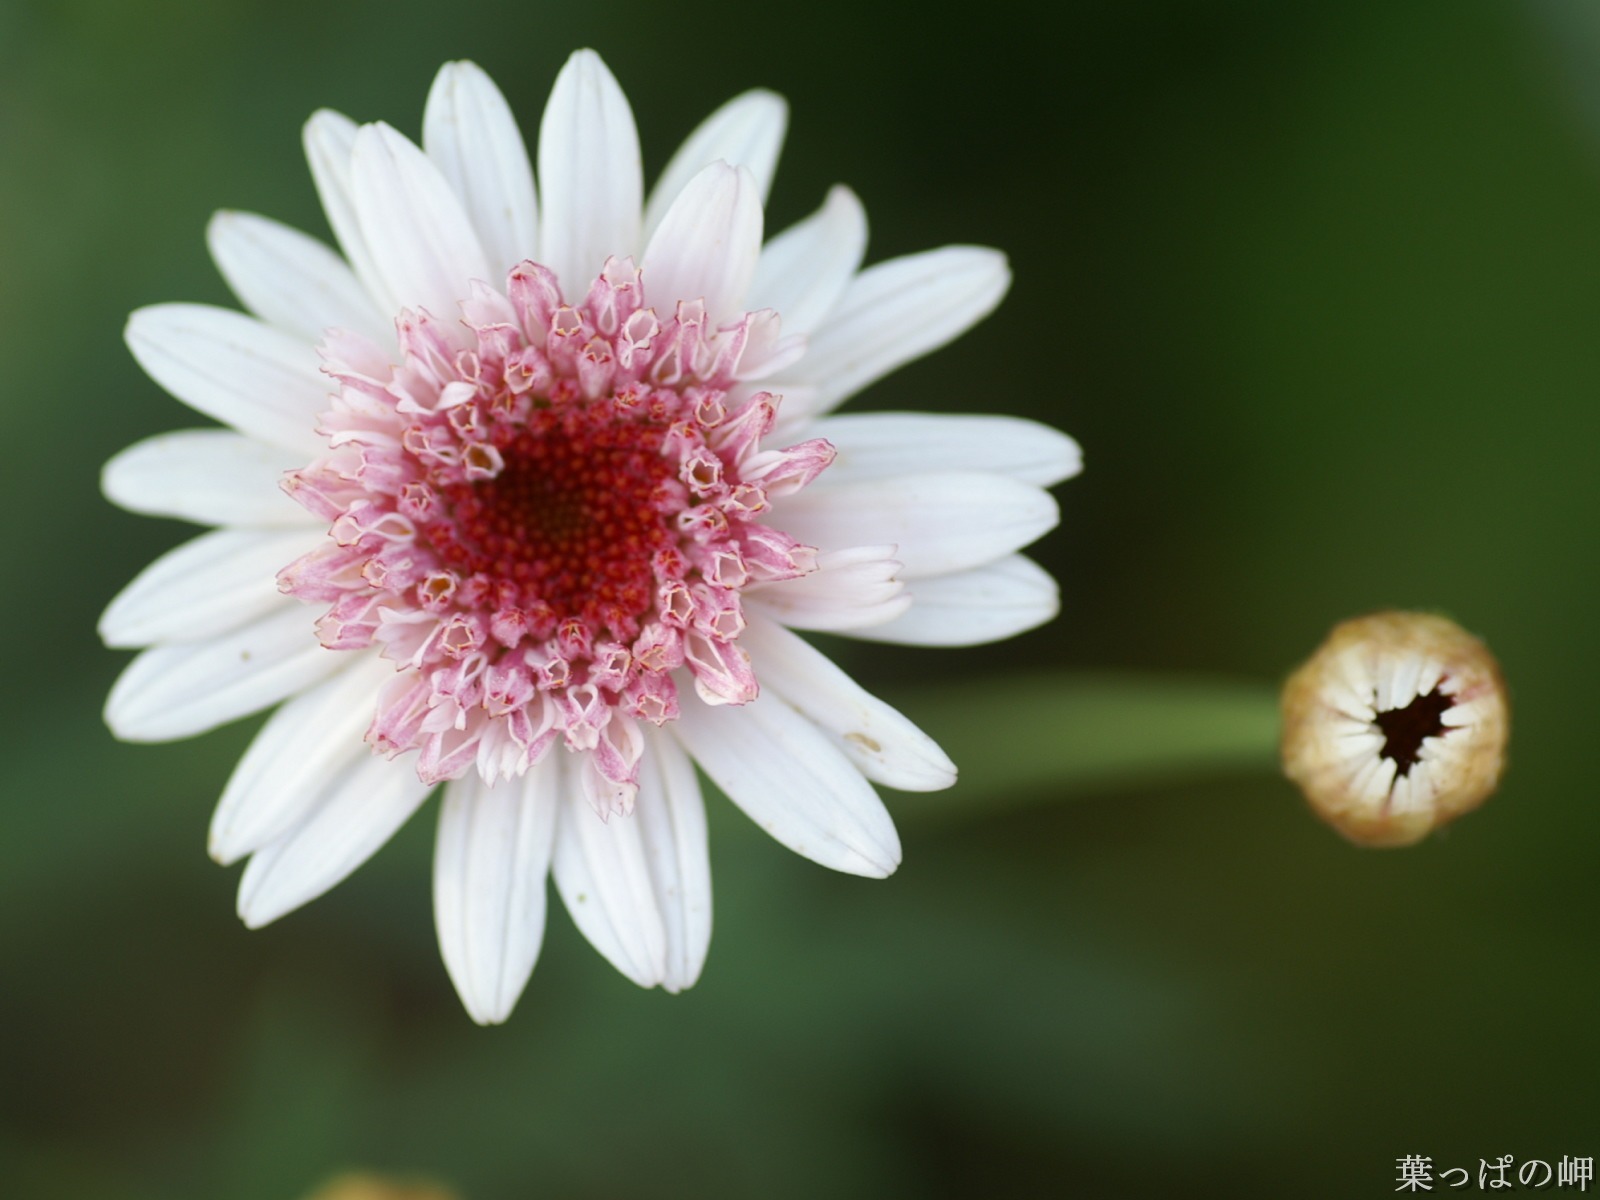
x=1069, y=735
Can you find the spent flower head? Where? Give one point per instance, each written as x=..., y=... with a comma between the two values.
x=527, y=492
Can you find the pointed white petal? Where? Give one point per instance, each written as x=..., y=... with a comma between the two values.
x=297, y=758
x=747, y=131
x=883, y=744
x=471, y=136
x=805, y=269
x=590, y=181
x=996, y=601
x=850, y=588
x=602, y=871
x=422, y=242
x=175, y=691
x=879, y=445
x=490, y=861
x=329, y=137
x=232, y=367
x=290, y=280
x=707, y=245
x=209, y=585
x=672, y=828
x=940, y=522
x=207, y=475
x=791, y=779
x=898, y=311
x=367, y=802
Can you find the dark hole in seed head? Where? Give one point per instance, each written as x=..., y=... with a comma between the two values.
x=1404, y=729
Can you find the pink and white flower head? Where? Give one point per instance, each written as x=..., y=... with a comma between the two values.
x=526, y=493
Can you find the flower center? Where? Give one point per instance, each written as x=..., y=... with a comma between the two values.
x=1405, y=729
x=541, y=515
x=572, y=521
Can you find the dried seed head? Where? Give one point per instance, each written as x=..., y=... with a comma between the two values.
x=1397, y=725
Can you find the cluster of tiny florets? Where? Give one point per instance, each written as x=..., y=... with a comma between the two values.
x=539, y=515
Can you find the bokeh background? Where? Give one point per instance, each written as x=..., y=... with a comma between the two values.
x=1316, y=285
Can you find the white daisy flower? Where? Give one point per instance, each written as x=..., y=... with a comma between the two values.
x=577, y=482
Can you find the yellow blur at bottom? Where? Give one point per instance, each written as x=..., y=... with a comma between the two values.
x=363, y=1186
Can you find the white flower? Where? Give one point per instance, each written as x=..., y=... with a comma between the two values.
x=558, y=520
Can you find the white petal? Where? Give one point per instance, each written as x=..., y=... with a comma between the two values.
x=209, y=585
x=996, y=601
x=423, y=245
x=602, y=870
x=296, y=760
x=940, y=522
x=883, y=744
x=471, y=136
x=490, y=861
x=232, y=367
x=898, y=311
x=371, y=799
x=747, y=131
x=672, y=827
x=707, y=244
x=207, y=475
x=878, y=445
x=329, y=138
x=174, y=691
x=590, y=181
x=291, y=280
x=805, y=269
x=791, y=779
x=850, y=588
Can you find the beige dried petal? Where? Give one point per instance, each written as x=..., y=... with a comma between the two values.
x=1395, y=726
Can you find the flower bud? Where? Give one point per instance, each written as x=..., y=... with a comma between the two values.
x=1395, y=726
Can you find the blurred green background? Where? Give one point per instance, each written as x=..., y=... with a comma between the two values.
x=1317, y=287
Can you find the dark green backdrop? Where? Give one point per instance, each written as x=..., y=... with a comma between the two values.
x=1316, y=285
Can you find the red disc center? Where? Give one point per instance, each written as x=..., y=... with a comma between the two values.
x=571, y=521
